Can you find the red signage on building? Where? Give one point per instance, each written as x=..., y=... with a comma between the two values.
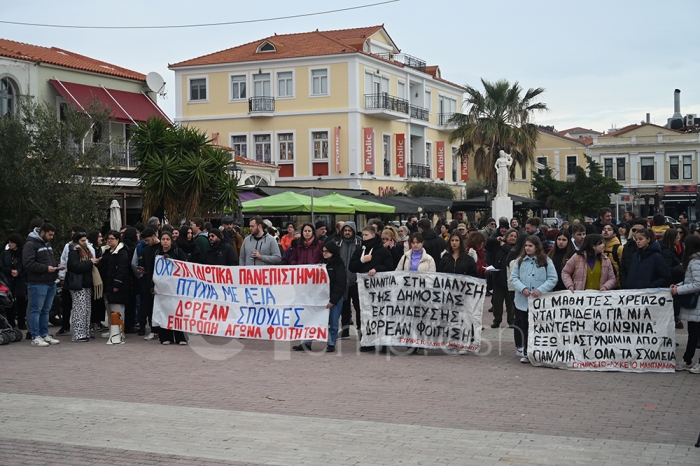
x=681, y=189
x=368, y=149
x=337, y=148
x=400, y=155
x=440, y=146
x=465, y=169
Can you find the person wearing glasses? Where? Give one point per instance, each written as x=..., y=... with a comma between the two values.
x=589, y=268
x=220, y=252
x=416, y=259
x=630, y=249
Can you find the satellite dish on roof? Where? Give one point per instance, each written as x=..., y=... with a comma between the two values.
x=155, y=82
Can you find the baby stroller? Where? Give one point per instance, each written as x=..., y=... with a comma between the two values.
x=7, y=333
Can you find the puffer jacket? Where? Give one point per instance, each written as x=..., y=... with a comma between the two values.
x=116, y=269
x=575, y=271
x=529, y=275
x=426, y=263
x=691, y=284
x=648, y=269
x=37, y=257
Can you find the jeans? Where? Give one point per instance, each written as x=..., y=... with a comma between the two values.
x=41, y=296
x=333, y=317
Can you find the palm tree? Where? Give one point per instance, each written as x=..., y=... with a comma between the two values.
x=498, y=119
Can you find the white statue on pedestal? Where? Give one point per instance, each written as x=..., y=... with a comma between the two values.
x=502, y=166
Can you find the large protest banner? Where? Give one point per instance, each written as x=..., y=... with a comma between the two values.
x=425, y=310
x=624, y=330
x=270, y=303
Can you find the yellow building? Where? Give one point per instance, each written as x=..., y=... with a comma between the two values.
x=333, y=109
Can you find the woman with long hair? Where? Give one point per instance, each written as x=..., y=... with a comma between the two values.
x=648, y=269
x=560, y=254
x=416, y=259
x=14, y=272
x=690, y=284
x=533, y=274
x=390, y=241
x=623, y=230
x=455, y=259
x=167, y=248
x=671, y=248
x=308, y=248
x=116, y=270
x=185, y=241
x=475, y=248
x=97, y=307
x=589, y=268
x=81, y=278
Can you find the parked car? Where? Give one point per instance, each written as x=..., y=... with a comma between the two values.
x=669, y=220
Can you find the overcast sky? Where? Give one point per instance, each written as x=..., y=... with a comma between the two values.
x=601, y=63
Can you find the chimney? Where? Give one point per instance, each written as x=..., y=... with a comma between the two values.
x=648, y=118
x=677, y=104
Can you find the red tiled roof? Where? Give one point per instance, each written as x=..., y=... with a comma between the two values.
x=305, y=44
x=244, y=160
x=578, y=129
x=60, y=57
x=582, y=141
x=629, y=128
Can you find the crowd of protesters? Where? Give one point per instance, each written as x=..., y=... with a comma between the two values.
x=116, y=275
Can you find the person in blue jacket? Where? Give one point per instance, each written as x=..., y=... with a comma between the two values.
x=533, y=274
x=648, y=269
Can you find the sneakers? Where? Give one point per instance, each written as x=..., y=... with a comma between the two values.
x=519, y=352
x=302, y=347
x=166, y=342
x=62, y=331
x=183, y=343
x=695, y=369
x=683, y=366
x=150, y=336
x=105, y=335
x=82, y=340
x=51, y=340
x=525, y=360
x=330, y=349
x=38, y=341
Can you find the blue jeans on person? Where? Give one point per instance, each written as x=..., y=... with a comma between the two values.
x=333, y=317
x=41, y=297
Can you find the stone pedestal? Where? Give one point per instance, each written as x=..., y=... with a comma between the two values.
x=502, y=207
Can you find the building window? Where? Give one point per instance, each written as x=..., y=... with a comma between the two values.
x=542, y=161
x=428, y=153
x=456, y=164
x=238, y=87
x=673, y=168
x=286, y=145
x=401, y=90
x=266, y=47
x=198, y=89
x=647, y=164
x=263, y=148
x=7, y=97
x=320, y=144
x=523, y=173
x=239, y=144
x=319, y=82
x=608, y=168
x=571, y=165
x=687, y=167
x=285, y=84
x=620, y=169
x=261, y=85
x=386, y=147
x=429, y=101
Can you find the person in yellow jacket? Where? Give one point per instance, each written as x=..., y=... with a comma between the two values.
x=660, y=226
x=613, y=249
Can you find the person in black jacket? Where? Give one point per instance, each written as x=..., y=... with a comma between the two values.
x=97, y=307
x=168, y=250
x=370, y=258
x=337, y=276
x=116, y=269
x=14, y=271
x=80, y=282
x=630, y=249
x=432, y=243
x=219, y=252
x=130, y=239
x=390, y=241
x=500, y=279
x=648, y=269
x=456, y=260
x=561, y=252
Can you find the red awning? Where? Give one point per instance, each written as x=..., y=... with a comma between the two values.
x=127, y=107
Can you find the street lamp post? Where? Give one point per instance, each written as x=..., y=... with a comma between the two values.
x=235, y=174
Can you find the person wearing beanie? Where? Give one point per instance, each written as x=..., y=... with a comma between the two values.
x=321, y=230
x=219, y=252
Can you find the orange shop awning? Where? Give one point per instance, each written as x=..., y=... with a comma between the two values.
x=127, y=107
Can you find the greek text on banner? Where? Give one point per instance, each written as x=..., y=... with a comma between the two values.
x=425, y=310
x=623, y=330
x=268, y=303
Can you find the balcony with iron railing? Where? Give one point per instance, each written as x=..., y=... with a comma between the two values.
x=415, y=170
x=261, y=106
x=444, y=118
x=121, y=155
x=419, y=113
x=406, y=59
x=385, y=105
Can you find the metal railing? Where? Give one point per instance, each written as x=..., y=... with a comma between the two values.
x=121, y=155
x=385, y=101
x=418, y=171
x=443, y=118
x=406, y=59
x=261, y=105
x=419, y=112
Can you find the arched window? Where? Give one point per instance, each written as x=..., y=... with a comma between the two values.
x=8, y=97
x=255, y=180
x=266, y=47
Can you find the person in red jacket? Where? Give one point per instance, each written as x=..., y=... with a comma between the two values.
x=308, y=249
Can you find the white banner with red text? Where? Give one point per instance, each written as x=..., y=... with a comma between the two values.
x=265, y=303
x=421, y=309
x=620, y=330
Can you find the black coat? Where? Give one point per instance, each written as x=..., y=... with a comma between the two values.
x=433, y=244
x=499, y=262
x=465, y=265
x=648, y=269
x=381, y=257
x=78, y=267
x=338, y=279
x=559, y=255
x=396, y=253
x=116, y=269
x=12, y=260
x=626, y=263
x=221, y=253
